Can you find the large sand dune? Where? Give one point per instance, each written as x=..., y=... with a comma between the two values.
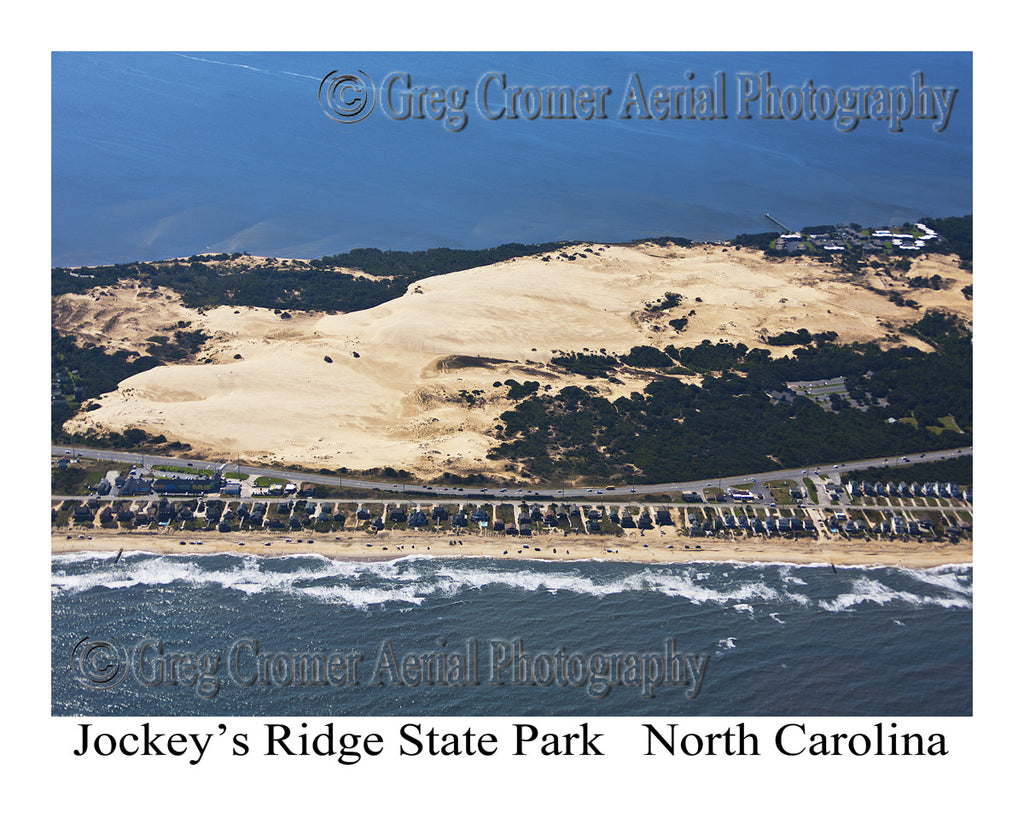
x=390, y=395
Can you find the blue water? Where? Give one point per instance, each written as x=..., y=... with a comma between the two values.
x=768, y=639
x=162, y=154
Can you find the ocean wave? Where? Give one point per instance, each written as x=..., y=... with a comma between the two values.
x=412, y=579
x=868, y=590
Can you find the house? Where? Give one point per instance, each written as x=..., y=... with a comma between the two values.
x=185, y=485
x=136, y=486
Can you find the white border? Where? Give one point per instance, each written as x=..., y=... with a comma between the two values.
x=617, y=783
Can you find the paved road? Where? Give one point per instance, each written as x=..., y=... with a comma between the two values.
x=556, y=492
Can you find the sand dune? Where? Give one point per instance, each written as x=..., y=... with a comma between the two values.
x=390, y=395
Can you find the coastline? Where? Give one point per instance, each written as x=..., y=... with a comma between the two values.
x=659, y=548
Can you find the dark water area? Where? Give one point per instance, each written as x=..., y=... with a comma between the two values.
x=241, y=635
x=158, y=154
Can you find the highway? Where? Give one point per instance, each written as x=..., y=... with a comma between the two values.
x=555, y=492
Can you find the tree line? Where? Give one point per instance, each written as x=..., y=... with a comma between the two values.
x=729, y=424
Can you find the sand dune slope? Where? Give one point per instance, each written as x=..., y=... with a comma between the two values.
x=390, y=394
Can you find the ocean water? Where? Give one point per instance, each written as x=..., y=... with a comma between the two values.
x=229, y=634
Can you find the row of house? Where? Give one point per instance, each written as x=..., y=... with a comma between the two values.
x=307, y=514
x=139, y=483
x=906, y=241
x=932, y=489
x=895, y=526
x=845, y=237
x=729, y=522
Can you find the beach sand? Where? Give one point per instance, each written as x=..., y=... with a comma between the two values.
x=659, y=548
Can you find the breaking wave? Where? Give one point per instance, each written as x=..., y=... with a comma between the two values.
x=762, y=589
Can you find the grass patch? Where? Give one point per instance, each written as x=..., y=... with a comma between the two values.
x=264, y=481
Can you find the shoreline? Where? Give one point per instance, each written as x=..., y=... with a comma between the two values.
x=659, y=548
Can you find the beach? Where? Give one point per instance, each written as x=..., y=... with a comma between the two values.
x=651, y=547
